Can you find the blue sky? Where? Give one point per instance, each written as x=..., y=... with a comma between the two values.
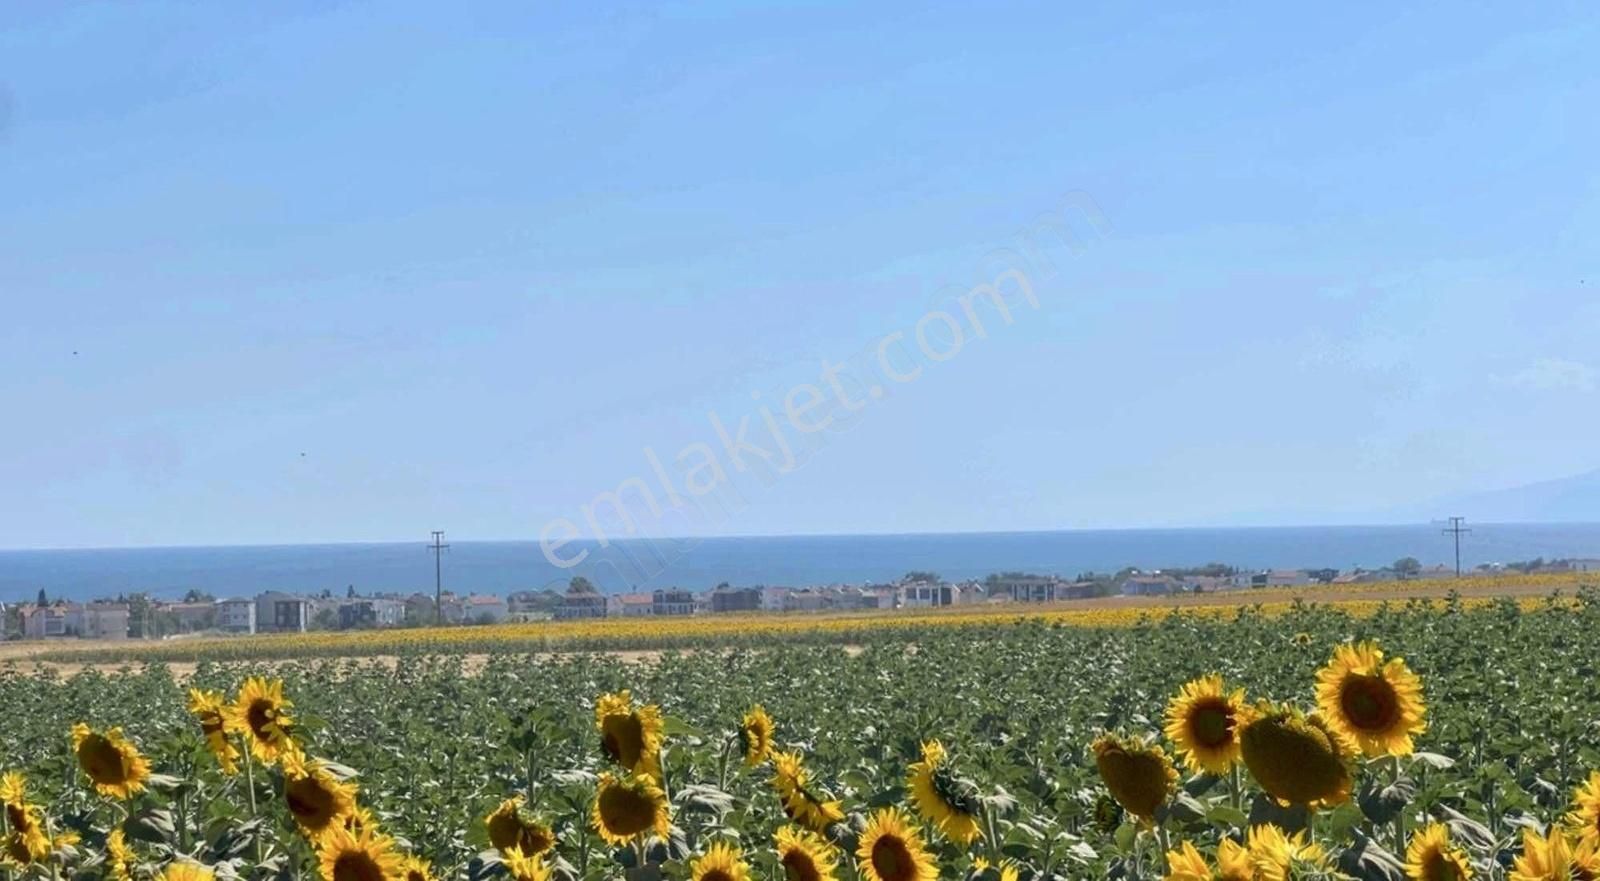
x=472, y=260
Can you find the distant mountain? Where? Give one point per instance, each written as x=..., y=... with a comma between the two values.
x=1563, y=500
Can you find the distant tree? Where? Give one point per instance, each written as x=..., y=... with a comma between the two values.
x=350, y=592
x=195, y=595
x=325, y=619
x=43, y=600
x=579, y=584
x=1407, y=567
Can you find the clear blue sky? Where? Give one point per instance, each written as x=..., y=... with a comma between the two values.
x=471, y=259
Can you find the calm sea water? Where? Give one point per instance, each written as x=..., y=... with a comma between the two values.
x=502, y=567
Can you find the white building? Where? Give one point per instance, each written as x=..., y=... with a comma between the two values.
x=236, y=615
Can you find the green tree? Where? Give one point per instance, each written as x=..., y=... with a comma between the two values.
x=1407, y=567
x=579, y=584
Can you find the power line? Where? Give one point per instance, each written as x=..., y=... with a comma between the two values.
x=438, y=547
x=1456, y=529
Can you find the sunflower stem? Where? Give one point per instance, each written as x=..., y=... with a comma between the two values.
x=250, y=787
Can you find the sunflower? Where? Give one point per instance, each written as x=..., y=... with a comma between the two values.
x=1138, y=773
x=317, y=800
x=755, y=736
x=630, y=737
x=1302, y=639
x=722, y=862
x=112, y=763
x=1553, y=858
x=1584, y=819
x=187, y=872
x=525, y=867
x=210, y=710
x=1203, y=722
x=509, y=828
x=363, y=856
x=948, y=802
x=1377, y=705
x=1186, y=864
x=413, y=868
x=982, y=870
x=805, y=855
x=800, y=803
x=25, y=851
x=627, y=808
x=360, y=818
x=1430, y=857
x=1234, y=862
x=1296, y=758
x=261, y=715
x=119, y=856
x=23, y=819
x=1279, y=857
x=13, y=787
x=892, y=850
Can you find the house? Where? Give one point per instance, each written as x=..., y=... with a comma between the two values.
x=926, y=595
x=1280, y=578
x=481, y=608
x=42, y=622
x=104, y=621
x=1144, y=584
x=236, y=615
x=364, y=612
x=283, y=613
x=630, y=605
x=1027, y=588
x=736, y=599
x=672, y=601
x=95, y=620
x=530, y=602
x=806, y=599
x=581, y=605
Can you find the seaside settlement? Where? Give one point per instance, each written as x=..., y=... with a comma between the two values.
x=142, y=617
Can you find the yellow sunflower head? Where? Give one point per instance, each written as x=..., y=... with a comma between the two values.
x=358, y=856
x=414, y=868
x=1138, y=773
x=1234, y=862
x=952, y=804
x=892, y=849
x=210, y=709
x=755, y=736
x=1186, y=864
x=1303, y=639
x=28, y=832
x=1296, y=758
x=260, y=714
x=805, y=856
x=1279, y=857
x=1584, y=820
x=13, y=788
x=317, y=800
x=119, y=856
x=627, y=808
x=112, y=763
x=1430, y=856
x=1374, y=703
x=181, y=871
x=630, y=736
x=509, y=828
x=1204, y=721
x=1553, y=858
x=525, y=867
x=722, y=862
x=801, y=802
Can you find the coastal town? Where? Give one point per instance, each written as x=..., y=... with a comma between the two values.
x=140, y=616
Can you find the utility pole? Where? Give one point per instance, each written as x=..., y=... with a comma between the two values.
x=438, y=547
x=1456, y=529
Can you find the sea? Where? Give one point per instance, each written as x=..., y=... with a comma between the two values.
x=501, y=567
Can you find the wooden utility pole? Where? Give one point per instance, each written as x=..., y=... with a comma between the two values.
x=438, y=547
x=1456, y=529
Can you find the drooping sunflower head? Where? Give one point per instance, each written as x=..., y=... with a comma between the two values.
x=1138, y=773
x=952, y=804
x=111, y=762
x=317, y=800
x=210, y=709
x=183, y=871
x=1553, y=858
x=1584, y=819
x=1186, y=864
x=801, y=801
x=260, y=714
x=892, y=849
x=627, y=808
x=525, y=867
x=1431, y=857
x=415, y=868
x=119, y=856
x=1108, y=814
x=806, y=856
x=1296, y=758
x=755, y=736
x=358, y=856
x=629, y=736
x=722, y=862
x=1234, y=862
x=1280, y=857
x=1374, y=703
x=1204, y=721
x=509, y=828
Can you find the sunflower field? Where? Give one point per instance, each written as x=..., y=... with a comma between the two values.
x=1423, y=741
